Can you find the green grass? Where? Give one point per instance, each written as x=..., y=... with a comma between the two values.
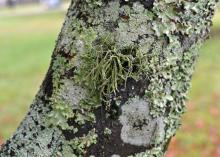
x=26, y=44
x=217, y=19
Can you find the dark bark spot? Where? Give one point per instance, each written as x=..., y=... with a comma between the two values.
x=49, y=146
x=24, y=134
x=148, y=4
x=110, y=26
x=12, y=153
x=132, y=88
x=69, y=134
x=66, y=53
x=48, y=83
x=70, y=73
x=42, y=127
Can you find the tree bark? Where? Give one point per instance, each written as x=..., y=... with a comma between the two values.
x=118, y=80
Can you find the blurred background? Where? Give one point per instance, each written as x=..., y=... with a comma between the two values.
x=28, y=30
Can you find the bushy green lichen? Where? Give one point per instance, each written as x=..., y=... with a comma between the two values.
x=105, y=67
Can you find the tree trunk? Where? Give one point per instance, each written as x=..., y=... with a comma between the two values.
x=117, y=82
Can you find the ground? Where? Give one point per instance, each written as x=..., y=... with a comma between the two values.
x=26, y=44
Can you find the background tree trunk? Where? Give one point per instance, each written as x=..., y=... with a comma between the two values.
x=117, y=82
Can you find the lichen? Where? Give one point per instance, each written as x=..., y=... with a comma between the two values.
x=115, y=155
x=106, y=66
x=79, y=144
x=138, y=126
x=107, y=131
x=94, y=3
x=64, y=102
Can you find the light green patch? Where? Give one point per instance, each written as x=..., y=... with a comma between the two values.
x=79, y=144
x=107, y=131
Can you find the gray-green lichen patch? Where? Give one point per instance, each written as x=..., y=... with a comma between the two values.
x=133, y=24
x=72, y=94
x=115, y=155
x=111, y=12
x=138, y=127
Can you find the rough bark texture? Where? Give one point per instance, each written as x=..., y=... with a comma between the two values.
x=117, y=82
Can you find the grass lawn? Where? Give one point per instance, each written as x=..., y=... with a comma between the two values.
x=26, y=44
